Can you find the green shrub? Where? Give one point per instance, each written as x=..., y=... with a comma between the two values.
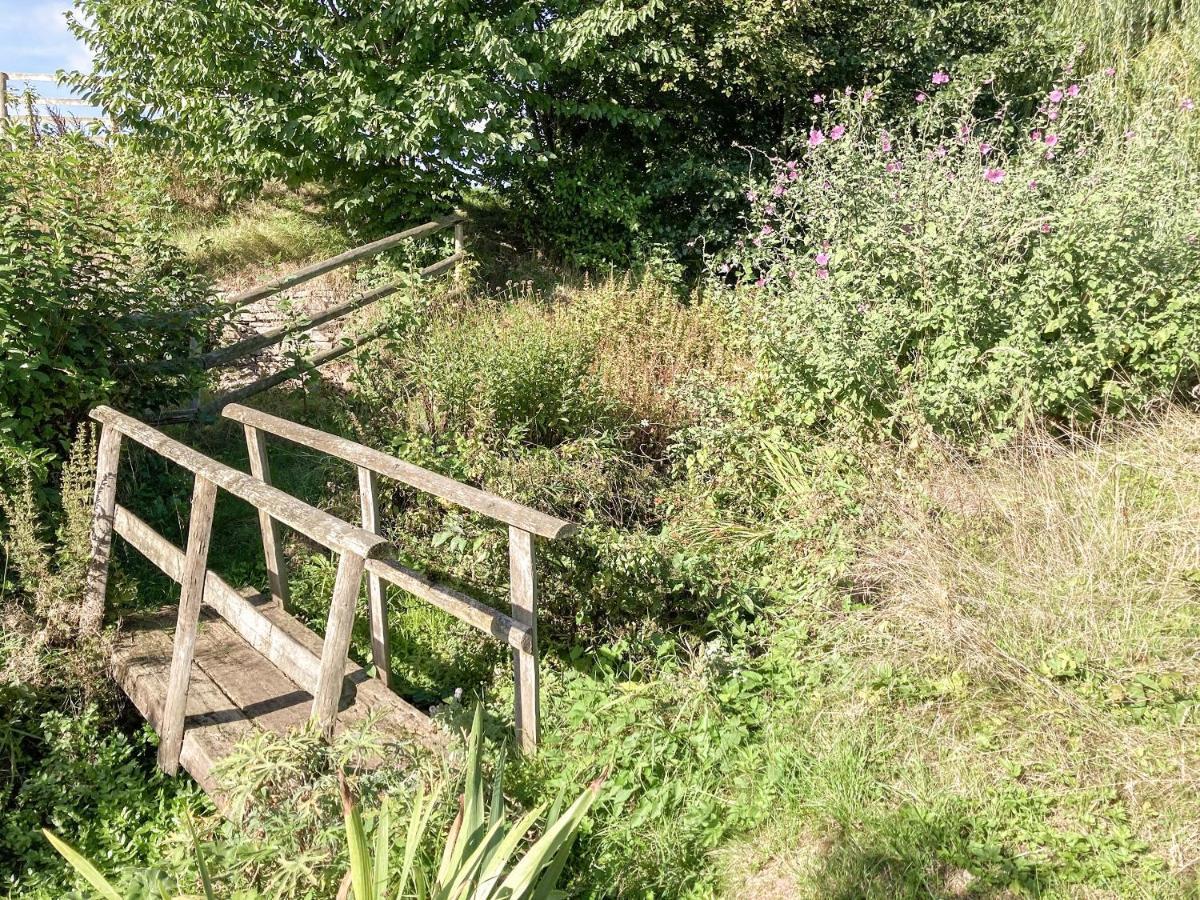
x=972, y=274
x=89, y=291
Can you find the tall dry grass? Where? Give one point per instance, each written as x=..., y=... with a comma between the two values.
x=1058, y=590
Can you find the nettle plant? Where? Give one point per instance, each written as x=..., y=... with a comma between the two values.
x=972, y=273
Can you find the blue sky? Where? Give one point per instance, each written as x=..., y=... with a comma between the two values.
x=34, y=38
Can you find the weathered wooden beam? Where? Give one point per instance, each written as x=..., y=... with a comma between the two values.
x=278, y=378
x=295, y=660
x=222, y=356
x=464, y=495
x=260, y=468
x=337, y=641
x=368, y=496
x=462, y=606
x=191, y=595
x=104, y=504
x=64, y=101
x=317, y=524
x=328, y=265
x=522, y=574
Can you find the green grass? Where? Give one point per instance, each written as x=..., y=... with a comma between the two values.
x=273, y=228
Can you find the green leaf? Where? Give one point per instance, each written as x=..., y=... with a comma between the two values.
x=89, y=872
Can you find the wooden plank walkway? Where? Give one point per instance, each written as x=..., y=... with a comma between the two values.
x=235, y=691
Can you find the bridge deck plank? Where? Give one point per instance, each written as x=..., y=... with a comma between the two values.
x=235, y=691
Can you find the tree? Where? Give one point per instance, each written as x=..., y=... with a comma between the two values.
x=405, y=102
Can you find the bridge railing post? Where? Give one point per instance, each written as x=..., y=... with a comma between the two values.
x=522, y=573
x=328, y=690
x=368, y=496
x=108, y=457
x=191, y=595
x=260, y=468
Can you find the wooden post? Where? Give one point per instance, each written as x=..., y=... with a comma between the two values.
x=191, y=594
x=368, y=486
x=460, y=244
x=522, y=574
x=328, y=691
x=4, y=97
x=260, y=468
x=104, y=505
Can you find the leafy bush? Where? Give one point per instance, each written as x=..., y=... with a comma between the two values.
x=477, y=858
x=90, y=290
x=971, y=274
x=609, y=123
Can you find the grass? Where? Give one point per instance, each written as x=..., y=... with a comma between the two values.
x=272, y=228
x=1018, y=694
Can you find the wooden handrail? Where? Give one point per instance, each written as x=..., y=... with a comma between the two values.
x=502, y=510
x=232, y=352
x=317, y=524
x=335, y=262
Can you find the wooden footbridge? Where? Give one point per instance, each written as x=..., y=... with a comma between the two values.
x=225, y=663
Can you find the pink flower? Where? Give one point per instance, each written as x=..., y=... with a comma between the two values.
x=822, y=259
x=1052, y=115
x=885, y=142
x=767, y=229
x=1188, y=104
x=1056, y=96
x=1035, y=135
x=836, y=133
x=751, y=196
x=762, y=282
x=892, y=168
x=1033, y=185
x=1051, y=140
x=922, y=96
x=816, y=137
x=940, y=77
x=778, y=191
x=868, y=95
x=1130, y=135
x=995, y=176
x=792, y=165
x=1049, y=154
x=822, y=274
x=1110, y=71
x=1073, y=91
x=940, y=152
x=985, y=148
x=1045, y=228
x=818, y=99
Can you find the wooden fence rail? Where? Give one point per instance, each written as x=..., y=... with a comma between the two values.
x=232, y=353
x=518, y=630
x=6, y=77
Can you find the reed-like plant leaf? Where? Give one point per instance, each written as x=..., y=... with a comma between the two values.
x=383, y=849
x=523, y=875
x=89, y=872
x=201, y=862
x=356, y=840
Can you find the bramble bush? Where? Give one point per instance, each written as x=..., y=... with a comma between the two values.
x=90, y=289
x=971, y=275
